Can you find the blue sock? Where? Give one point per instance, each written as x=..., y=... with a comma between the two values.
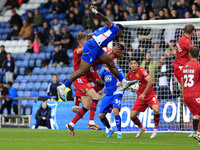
x=118, y=122
x=120, y=77
x=105, y=122
x=67, y=83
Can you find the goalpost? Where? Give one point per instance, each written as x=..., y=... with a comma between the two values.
x=158, y=37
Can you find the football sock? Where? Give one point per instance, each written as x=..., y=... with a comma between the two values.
x=98, y=88
x=106, y=123
x=195, y=124
x=67, y=83
x=137, y=122
x=93, y=107
x=156, y=120
x=120, y=77
x=79, y=115
x=77, y=102
x=118, y=122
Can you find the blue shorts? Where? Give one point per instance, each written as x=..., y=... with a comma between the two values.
x=91, y=51
x=109, y=102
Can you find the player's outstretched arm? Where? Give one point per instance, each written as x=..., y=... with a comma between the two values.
x=101, y=16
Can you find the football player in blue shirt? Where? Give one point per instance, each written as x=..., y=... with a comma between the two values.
x=92, y=49
x=112, y=100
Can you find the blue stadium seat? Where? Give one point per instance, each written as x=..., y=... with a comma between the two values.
x=43, y=70
x=44, y=86
x=6, y=30
x=40, y=29
x=71, y=70
x=38, y=63
x=50, y=48
x=30, y=102
x=40, y=78
x=33, y=78
x=14, y=56
x=24, y=102
x=64, y=70
x=62, y=16
x=42, y=93
x=73, y=87
x=44, y=11
x=27, y=56
x=34, y=56
x=4, y=36
x=70, y=53
x=19, y=78
x=22, y=86
x=29, y=86
x=36, y=71
x=31, y=63
x=62, y=21
x=47, y=56
x=25, y=63
x=62, y=77
x=67, y=70
x=48, y=78
x=16, y=85
x=79, y=28
x=41, y=56
x=74, y=34
x=27, y=93
x=26, y=78
x=34, y=93
x=22, y=70
x=58, y=70
x=18, y=63
x=51, y=70
x=52, y=23
x=36, y=86
x=50, y=17
x=20, y=93
x=20, y=56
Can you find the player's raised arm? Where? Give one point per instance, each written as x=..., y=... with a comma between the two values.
x=101, y=16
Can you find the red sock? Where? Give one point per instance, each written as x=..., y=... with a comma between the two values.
x=97, y=88
x=76, y=101
x=199, y=127
x=93, y=107
x=137, y=122
x=156, y=120
x=79, y=114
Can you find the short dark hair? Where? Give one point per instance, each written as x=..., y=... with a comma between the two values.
x=120, y=26
x=3, y=46
x=194, y=52
x=189, y=28
x=10, y=83
x=133, y=59
x=121, y=47
x=55, y=75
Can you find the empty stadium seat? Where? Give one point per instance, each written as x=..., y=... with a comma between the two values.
x=43, y=71
x=58, y=70
x=34, y=56
x=18, y=63
x=47, y=56
x=40, y=78
x=19, y=78
x=26, y=78
x=22, y=70
x=36, y=70
x=41, y=56
x=33, y=78
x=42, y=93
x=29, y=86
x=27, y=56
x=51, y=70
x=44, y=86
x=22, y=86
x=70, y=53
x=20, y=93
x=50, y=48
x=48, y=78
x=27, y=93
x=31, y=63
x=16, y=85
x=25, y=63
x=34, y=93
x=62, y=77
x=38, y=63
x=36, y=86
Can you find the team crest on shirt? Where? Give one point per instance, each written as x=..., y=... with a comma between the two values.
x=198, y=100
x=137, y=75
x=89, y=85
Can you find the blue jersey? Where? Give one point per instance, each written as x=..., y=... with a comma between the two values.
x=110, y=82
x=105, y=34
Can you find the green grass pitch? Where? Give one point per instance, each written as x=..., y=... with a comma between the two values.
x=29, y=139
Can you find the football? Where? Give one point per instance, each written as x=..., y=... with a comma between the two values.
x=134, y=87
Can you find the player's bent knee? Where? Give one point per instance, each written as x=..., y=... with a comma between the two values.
x=101, y=116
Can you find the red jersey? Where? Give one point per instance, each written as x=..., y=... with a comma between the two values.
x=107, y=50
x=77, y=59
x=191, y=78
x=182, y=51
x=140, y=75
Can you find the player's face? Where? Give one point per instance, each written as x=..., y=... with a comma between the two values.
x=120, y=54
x=133, y=65
x=44, y=105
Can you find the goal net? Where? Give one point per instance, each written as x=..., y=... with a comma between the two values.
x=153, y=43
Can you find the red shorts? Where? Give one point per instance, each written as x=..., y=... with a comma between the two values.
x=193, y=104
x=142, y=105
x=178, y=73
x=82, y=86
x=92, y=75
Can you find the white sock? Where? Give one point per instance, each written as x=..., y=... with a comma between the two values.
x=76, y=106
x=156, y=130
x=198, y=132
x=110, y=129
x=63, y=86
x=119, y=132
x=72, y=124
x=91, y=122
x=124, y=80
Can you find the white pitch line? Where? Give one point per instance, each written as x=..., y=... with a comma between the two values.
x=97, y=142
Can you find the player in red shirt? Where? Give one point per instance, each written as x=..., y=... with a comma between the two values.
x=191, y=85
x=146, y=96
x=182, y=50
